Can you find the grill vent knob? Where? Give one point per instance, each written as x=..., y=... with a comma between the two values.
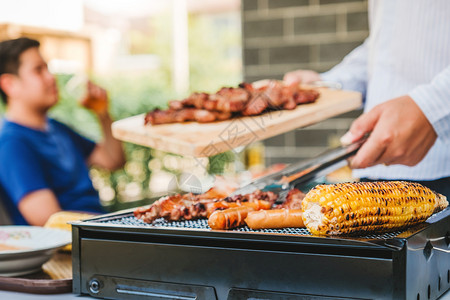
x=94, y=286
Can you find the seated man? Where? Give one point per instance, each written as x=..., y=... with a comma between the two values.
x=44, y=163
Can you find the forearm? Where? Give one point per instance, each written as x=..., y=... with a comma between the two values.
x=38, y=206
x=434, y=101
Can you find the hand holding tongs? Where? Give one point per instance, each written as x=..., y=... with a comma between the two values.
x=304, y=171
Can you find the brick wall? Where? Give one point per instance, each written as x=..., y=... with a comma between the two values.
x=284, y=35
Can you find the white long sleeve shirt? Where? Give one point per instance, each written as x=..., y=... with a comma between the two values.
x=406, y=53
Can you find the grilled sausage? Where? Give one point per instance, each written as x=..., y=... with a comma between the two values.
x=275, y=218
x=229, y=218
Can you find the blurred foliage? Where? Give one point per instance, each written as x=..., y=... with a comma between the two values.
x=215, y=61
x=2, y=107
x=215, y=54
x=214, y=49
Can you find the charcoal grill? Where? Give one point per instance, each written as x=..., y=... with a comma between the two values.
x=117, y=256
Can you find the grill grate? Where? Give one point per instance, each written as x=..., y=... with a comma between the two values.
x=203, y=224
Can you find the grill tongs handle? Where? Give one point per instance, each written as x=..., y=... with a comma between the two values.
x=303, y=171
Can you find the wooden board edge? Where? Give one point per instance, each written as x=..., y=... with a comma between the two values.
x=144, y=140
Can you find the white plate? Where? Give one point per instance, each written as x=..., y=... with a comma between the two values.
x=37, y=245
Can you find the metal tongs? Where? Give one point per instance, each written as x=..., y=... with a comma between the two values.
x=303, y=172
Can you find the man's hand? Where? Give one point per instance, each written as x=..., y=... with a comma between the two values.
x=399, y=134
x=96, y=99
x=109, y=153
x=301, y=76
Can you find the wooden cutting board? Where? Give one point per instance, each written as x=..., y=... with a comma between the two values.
x=207, y=139
x=54, y=278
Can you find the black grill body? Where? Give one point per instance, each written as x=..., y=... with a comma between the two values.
x=117, y=256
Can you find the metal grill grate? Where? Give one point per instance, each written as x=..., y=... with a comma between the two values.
x=203, y=224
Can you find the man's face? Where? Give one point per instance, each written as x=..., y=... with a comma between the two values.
x=36, y=85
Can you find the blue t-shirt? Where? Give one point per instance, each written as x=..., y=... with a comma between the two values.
x=53, y=159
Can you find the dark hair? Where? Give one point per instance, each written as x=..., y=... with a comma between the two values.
x=10, y=51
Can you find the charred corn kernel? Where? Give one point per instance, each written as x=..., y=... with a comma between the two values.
x=361, y=207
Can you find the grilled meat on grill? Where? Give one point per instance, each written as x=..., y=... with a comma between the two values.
x=293, y=200
x=252, y=197
x=244, y=100
x=190, y=206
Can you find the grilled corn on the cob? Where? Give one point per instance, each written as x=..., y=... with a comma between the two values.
x=348, y=208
